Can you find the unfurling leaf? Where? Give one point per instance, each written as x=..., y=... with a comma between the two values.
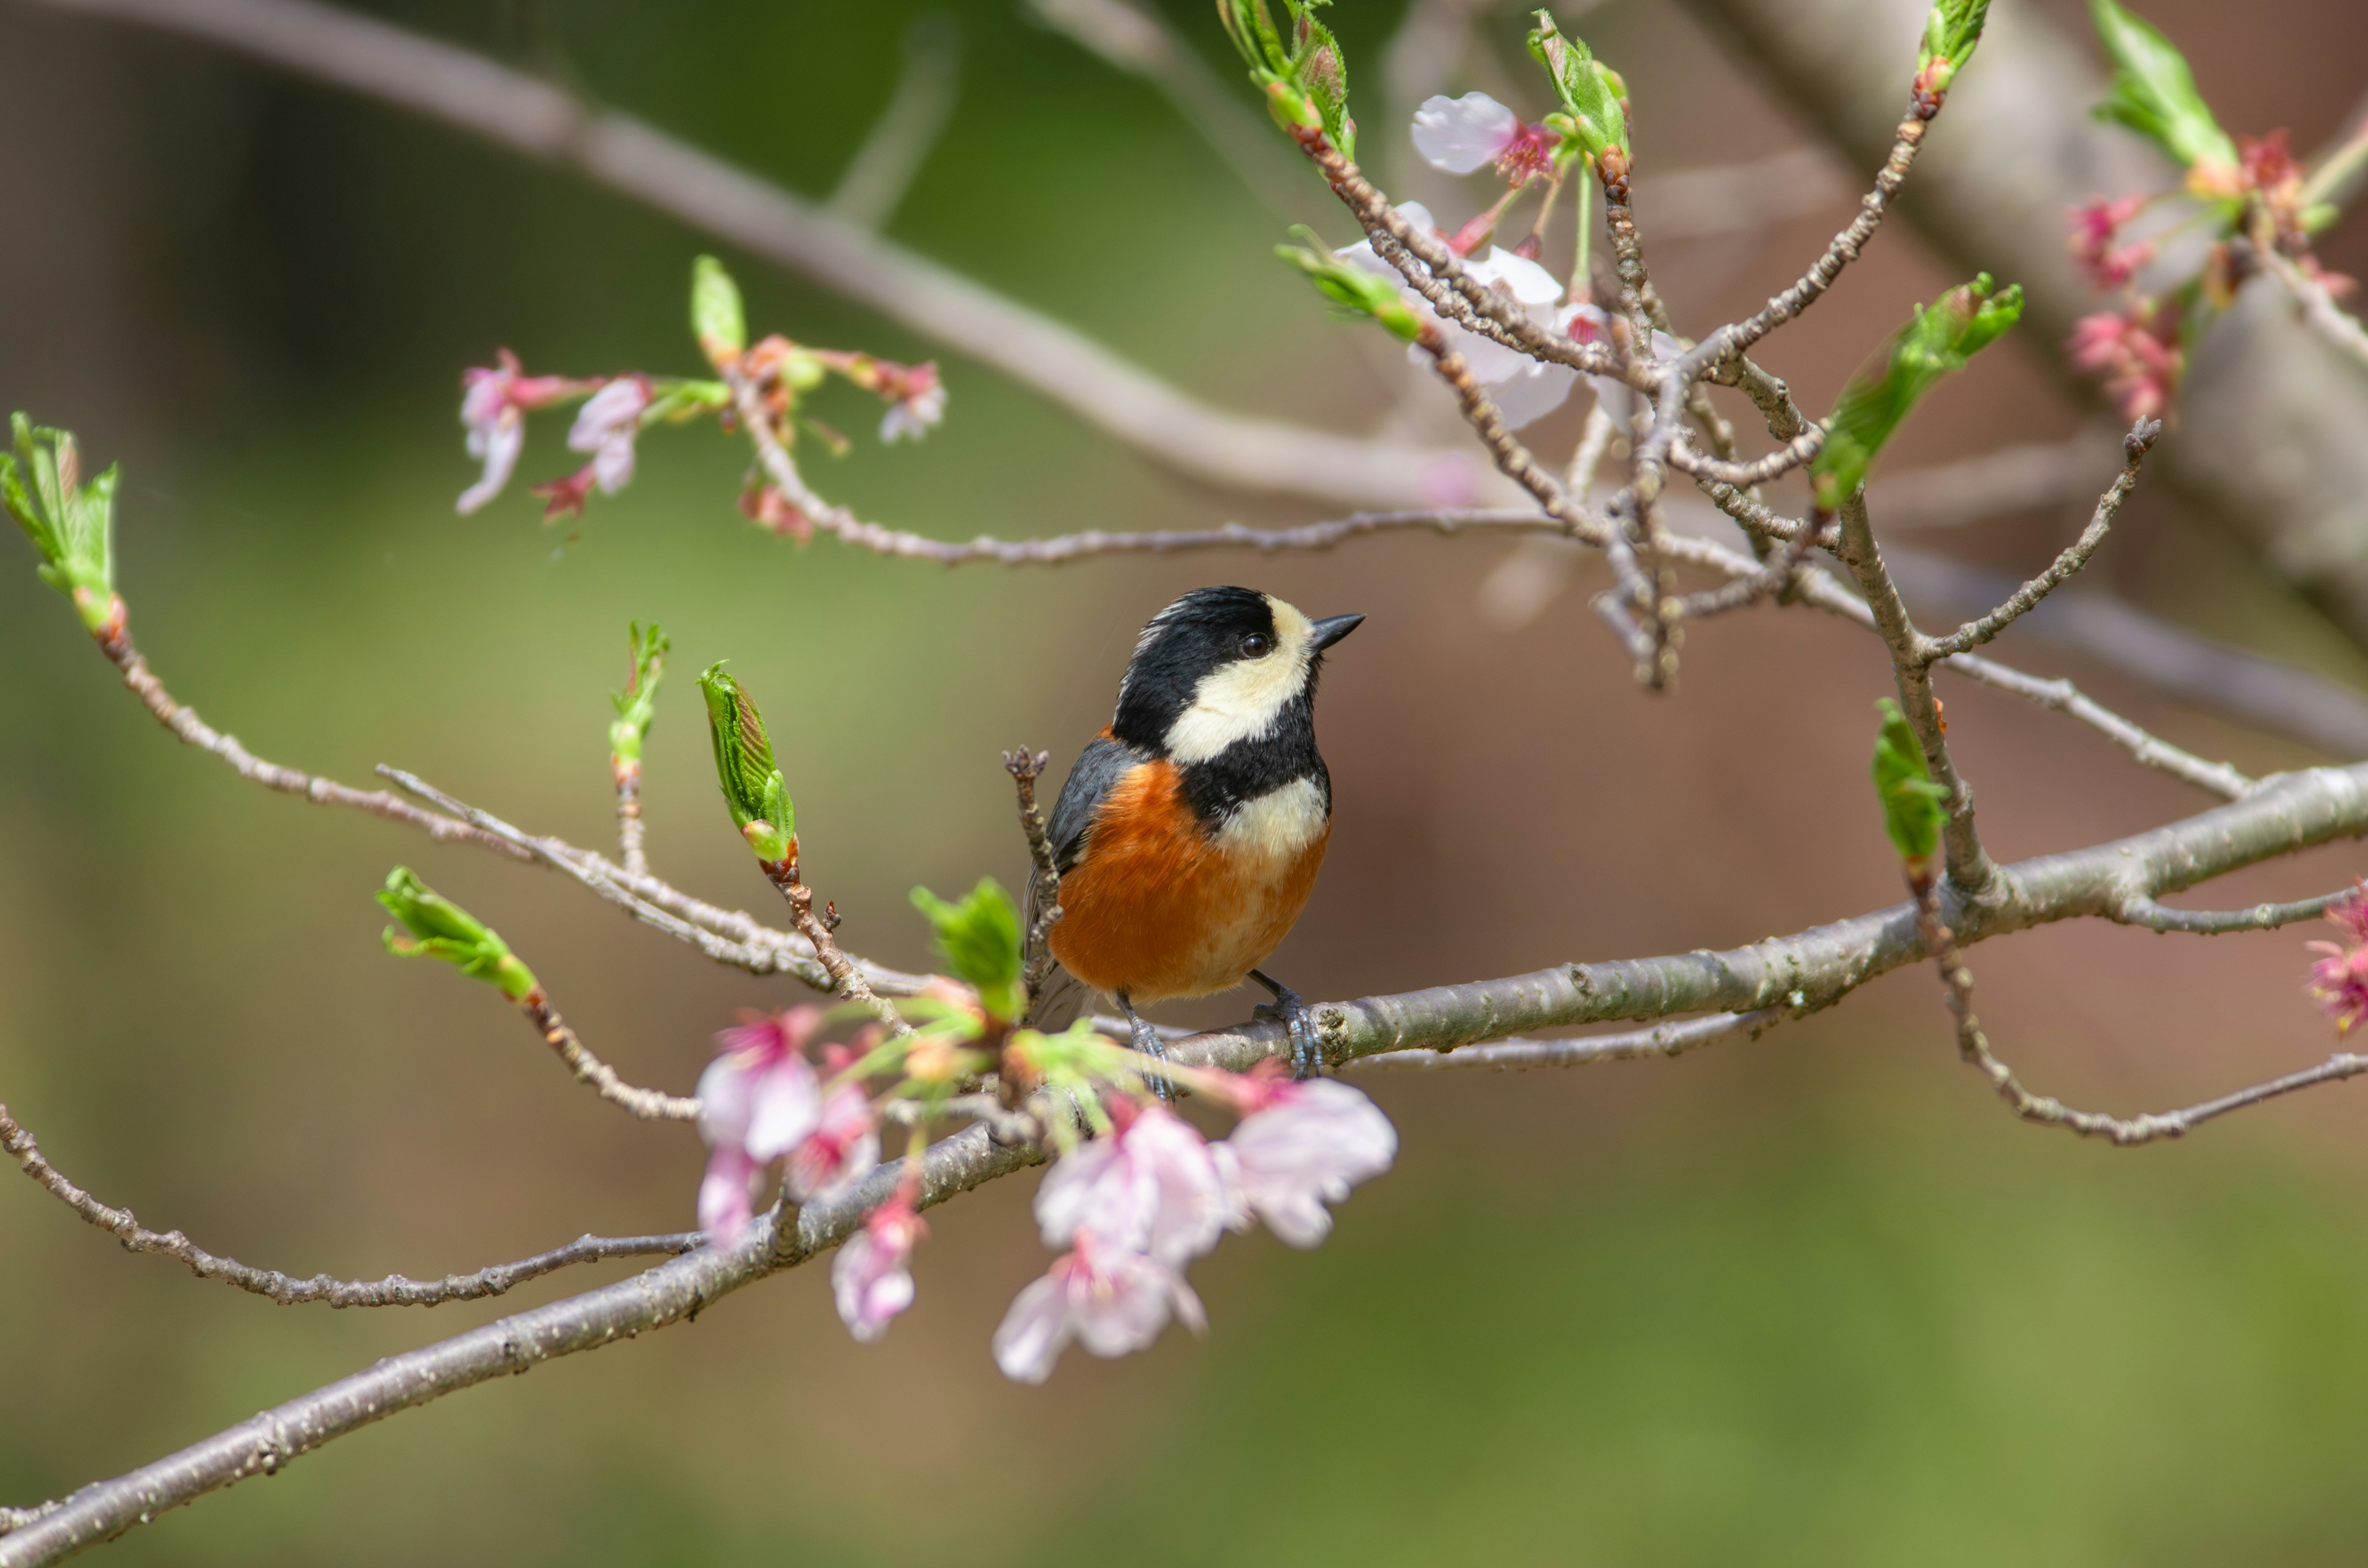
x=637, y=705
x=716, y=318
x=71, y=524
x=2153, y=92
x=753, y=786
x=1357, y=292
x=1878, y=398
x=1591, y=91
x=1299, y=69
x=1912, y=809
x=438, y=928
x=1950, y=32
x=979, y=939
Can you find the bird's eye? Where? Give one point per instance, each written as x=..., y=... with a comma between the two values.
x=1257, y=645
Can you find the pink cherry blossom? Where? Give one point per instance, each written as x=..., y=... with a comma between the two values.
x=1151, y=1186
x=1300, y=1146
x=756, y=1102
x=2338, y=980
x=839, y=1152
x=870, y=1276
x=1113, y=1300
x=920, y=400
x=1458, y=135
x=605, y=427
x=2095, y=226
x=2136, y=351
x=494, y=406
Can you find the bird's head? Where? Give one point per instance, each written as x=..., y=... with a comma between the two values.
x=1218, y=667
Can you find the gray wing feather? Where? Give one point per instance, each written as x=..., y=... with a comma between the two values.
x=1097, y=768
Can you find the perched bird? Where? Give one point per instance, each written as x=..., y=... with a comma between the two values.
x=1189, y=833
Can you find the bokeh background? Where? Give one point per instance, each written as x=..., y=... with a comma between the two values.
x=1815, y=1299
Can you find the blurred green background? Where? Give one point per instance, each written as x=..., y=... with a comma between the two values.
x=1811, y=1299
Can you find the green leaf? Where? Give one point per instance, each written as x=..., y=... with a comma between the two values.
x=1358, y=292
x=2153, y=92
x=1591, y=91
x=716, y=318
x=1951, y=31
x=436, y=928
x=71, y=524
x=1912, y=810
x=979, y=939
x=1879, y=397
x=753, y=786
x=637, y=705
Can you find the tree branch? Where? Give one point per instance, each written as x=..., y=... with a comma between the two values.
x=395, y=1290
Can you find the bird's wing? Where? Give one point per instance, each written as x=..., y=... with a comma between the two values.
x=1063, y=997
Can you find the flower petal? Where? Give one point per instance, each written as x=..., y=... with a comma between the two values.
x=1034, y=1332
x=1461, y=134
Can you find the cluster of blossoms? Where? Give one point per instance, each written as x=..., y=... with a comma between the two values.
x=2248, y=192
x=615, y=410
x=1132, y=1205
x=2338, y=980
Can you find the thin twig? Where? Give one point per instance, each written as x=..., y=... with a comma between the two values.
x=2073, y=557
x=1673, y=1038
x=395, y=1290
x=1043, y=871
x=2140, y=910
x=649, y=1105
x=2336, y=326
x=2123, y=1132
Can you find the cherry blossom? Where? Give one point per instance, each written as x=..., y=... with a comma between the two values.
x=756, y=1102
x=1112, y=1300
x=2136, y=351
x=839, y=1152
x=494, y=406
x=1522, y=388
x=605, y=427
x=2339, y=982
x=920, y=401
x=1303, y=1145
x=1458, y=135
x=870, y=1277
x=2095, y=226
x=1151, y=1186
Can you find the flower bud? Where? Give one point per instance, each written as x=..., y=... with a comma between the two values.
x=1951, y=31
x=637, y=705
x=1591, y=91
x=979, y=939
x=1304, y=76
x=716, y=318
x=438, y=928
x=753, y=788
x=71, y=525
x=1911, y=800
x=1357, y=292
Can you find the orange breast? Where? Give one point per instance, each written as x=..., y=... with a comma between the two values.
x=1157, y=908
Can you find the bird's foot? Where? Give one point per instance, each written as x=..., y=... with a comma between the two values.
x=1295, y=1014
x=1146, y=1040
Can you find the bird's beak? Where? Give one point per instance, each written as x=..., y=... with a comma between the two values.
x=1333, y=627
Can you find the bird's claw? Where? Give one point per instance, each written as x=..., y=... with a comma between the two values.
x=1146, y=1041
x=1295, y=1016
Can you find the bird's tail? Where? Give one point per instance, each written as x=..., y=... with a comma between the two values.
x=1058, y=1002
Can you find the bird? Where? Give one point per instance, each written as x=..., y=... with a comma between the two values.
x=1189, y=833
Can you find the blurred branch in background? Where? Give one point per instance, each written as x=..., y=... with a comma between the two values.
x=466, y=90
x=2269, y=416
x=900, y=141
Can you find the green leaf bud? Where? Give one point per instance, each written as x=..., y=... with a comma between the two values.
x=434, y=926
x=1879, y=397
x=979, y=939
x=753, y=788
x=1951, y=31
x=1302, y=74
x=2154, y=93
x=1591, y=91
x=71, y=524
x=637, y=705
x=716, y=318
x=1358, y=292
x=1912, y=801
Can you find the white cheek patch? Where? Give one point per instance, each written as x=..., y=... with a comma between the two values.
x=1276, y=826
x=1241, y=700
